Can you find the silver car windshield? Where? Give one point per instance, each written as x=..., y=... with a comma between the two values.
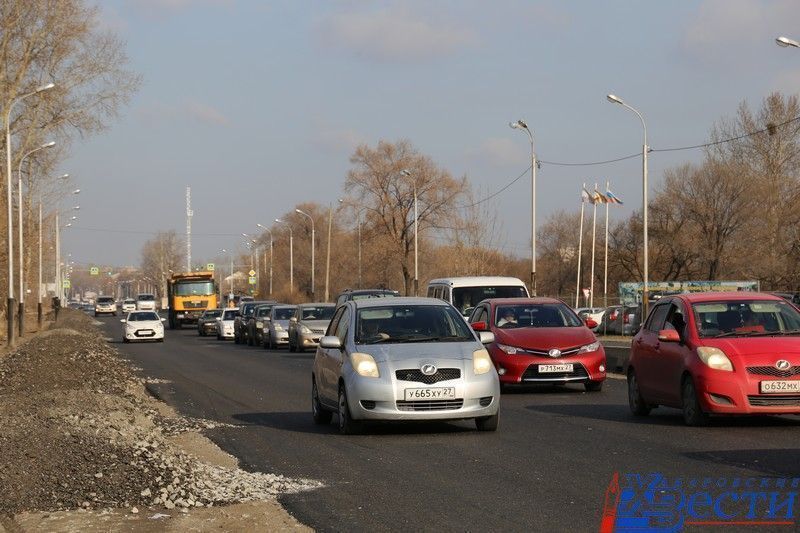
x=410, y=323
x=318, y=313
x=230, y=314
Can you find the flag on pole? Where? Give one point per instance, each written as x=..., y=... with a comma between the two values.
x=600, y=198
x=612, y=199
x=586, y=196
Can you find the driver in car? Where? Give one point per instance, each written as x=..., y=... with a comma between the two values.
x=508, y=319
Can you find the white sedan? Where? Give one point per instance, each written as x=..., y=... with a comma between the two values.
x=143, y=326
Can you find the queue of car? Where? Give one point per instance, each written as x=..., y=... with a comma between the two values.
x=379, y=356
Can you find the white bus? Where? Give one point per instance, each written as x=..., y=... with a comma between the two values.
x=465, y=293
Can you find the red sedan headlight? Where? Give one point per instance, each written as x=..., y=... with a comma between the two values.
x=593, y=347
x=510, y=350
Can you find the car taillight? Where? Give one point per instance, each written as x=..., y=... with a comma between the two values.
x=614, y=315
x=626, y=319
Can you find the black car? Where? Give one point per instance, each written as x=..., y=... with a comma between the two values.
x=360, y=294
x=256, y=324
x=207, y=323
x=620, y=320
x=240, y=324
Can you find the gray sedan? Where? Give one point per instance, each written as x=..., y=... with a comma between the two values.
x=309, y=324
x=403, y=359
x=276, y=329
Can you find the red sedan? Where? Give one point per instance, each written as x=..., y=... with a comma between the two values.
x=540, y=340
x=717, y=354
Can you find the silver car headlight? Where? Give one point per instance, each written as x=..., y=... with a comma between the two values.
x=481, y=362
x=365, y=365
x=304, y=329
x=260, y=325
x=593, y=347
x=278, y=327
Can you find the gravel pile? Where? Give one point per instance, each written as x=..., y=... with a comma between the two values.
x=78, y=431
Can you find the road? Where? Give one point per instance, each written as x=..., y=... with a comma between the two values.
x=547, y=468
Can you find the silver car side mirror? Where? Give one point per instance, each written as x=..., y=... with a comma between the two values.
x=330, y=342
x=487, y=337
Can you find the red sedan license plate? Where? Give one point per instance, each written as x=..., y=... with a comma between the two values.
x=779, y=387
x=546, y=369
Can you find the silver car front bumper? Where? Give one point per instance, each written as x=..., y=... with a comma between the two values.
x=384, y=398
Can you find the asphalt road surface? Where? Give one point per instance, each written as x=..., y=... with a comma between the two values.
x=547, y=468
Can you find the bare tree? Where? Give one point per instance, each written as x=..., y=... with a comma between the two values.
x=377, y=182
x=163, y=254
x=55, y=41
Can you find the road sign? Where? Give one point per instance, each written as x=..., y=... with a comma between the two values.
x=251, y=280
x=94, y=271
x=65, y=284
x=210, y=267
x=252, y=273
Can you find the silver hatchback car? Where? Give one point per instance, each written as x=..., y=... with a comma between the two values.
x=403, y=359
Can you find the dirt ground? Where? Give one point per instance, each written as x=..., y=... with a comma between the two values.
x=84, y=448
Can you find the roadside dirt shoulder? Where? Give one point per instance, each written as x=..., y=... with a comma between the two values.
x=83, y=447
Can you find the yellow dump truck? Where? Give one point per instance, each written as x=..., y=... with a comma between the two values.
x=189, y=295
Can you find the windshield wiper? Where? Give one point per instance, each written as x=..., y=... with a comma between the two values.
x=444, y=338
x=735, y=334
x=779, y=333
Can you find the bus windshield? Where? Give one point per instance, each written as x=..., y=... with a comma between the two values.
x=467, y=297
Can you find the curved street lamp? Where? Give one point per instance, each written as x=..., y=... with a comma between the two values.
x=9, y=211
x=291, y=254
x=785, y=42
x=313, y=239
x=645, y=291
x=407, y=173
x=270, y=255
x=522, y=125
x=21, y=315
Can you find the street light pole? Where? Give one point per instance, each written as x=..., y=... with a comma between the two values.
x=328, y=256
x=522, y=125
x=9, y=213
x=313, y=233
x=359, y=248
x=21, y=245
x=291, y=254
x=270, y=255
x=645, y=291
x=408, y=174
x=39, y=313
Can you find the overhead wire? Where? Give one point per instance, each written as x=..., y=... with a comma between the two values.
x=769, y=129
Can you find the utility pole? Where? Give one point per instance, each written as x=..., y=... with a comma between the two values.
x=189, y=214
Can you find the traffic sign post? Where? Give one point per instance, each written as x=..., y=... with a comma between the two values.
x=66, y=284
x=251, y=280
x=94, y=271
x=210, y=267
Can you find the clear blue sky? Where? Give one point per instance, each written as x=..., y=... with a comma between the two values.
x=257, y=105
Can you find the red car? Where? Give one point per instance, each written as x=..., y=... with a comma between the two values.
x=540, y=340
x=717, y=354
